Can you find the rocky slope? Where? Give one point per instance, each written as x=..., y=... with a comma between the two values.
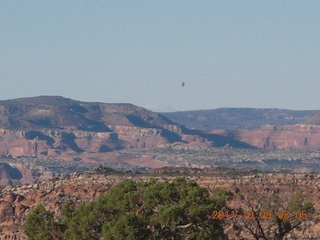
x=16, y=202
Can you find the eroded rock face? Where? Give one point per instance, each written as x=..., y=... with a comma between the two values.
x=17, y=174
x=301, y=136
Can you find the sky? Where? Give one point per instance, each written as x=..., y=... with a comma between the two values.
x=260, y=54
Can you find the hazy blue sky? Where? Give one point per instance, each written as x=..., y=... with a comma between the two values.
x=229, y=53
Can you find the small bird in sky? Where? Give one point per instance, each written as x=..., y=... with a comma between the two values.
x=182, y=84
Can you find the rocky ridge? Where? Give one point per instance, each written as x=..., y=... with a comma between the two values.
x=16, y=202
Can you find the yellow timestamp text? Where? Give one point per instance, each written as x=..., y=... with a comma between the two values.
x=259, y=214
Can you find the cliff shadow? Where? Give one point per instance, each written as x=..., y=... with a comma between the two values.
x=218, y=140
x=169, y=135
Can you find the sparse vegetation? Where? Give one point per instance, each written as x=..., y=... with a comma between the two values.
x=175, y=209
x=136, y=210
x=265, y=217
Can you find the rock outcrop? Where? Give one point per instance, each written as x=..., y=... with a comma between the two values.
x=17, y=202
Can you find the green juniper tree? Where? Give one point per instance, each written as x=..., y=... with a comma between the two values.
x=40, y=225
x=179, y=209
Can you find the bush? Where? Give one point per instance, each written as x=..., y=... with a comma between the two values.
x=40, y=225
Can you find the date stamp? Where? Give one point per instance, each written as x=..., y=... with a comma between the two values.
x=259, y=215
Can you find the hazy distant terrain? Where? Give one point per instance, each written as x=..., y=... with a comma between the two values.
x=50, y=136
x=239, y=118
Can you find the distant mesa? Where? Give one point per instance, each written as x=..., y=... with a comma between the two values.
x=51, y=129
x=239, y=118
x=58, y=127
x=62, y=128
x=261, y=128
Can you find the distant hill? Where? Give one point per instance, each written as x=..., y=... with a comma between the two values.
x=315, y=120
x=51, y=125
x=56, y=112
x=60, y=128
x=239, y=118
